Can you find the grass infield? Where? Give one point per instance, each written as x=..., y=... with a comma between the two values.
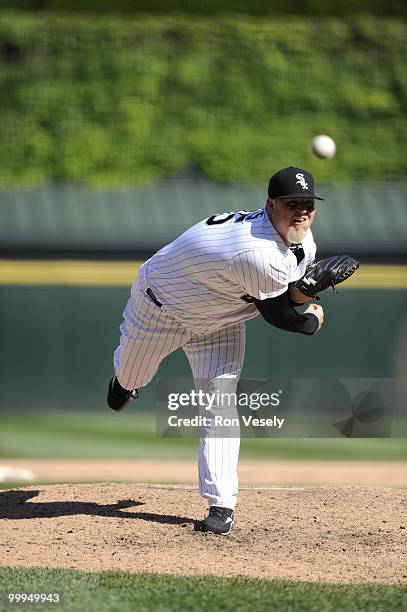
x=111, y=591
x=91, y=435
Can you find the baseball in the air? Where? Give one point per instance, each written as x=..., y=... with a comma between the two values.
x=323, y=146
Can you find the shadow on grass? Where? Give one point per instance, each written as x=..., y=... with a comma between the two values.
x=15, y=505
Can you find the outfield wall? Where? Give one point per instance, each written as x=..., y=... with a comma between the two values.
x=57, y=343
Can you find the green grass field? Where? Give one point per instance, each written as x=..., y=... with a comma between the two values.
x=114, y=591
x=67, y=435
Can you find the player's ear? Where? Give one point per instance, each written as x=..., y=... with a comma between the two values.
x=270, y=203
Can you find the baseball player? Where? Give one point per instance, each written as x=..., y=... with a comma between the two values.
x=196, y=294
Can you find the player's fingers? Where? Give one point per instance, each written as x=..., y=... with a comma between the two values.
x=317, y=311
x=315, y=308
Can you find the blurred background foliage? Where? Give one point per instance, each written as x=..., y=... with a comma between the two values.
x=125, y=100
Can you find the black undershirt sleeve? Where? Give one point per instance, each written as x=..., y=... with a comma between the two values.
x=295, y=304
x=279, y=312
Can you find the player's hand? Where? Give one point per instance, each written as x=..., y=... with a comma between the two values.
x=318, y=311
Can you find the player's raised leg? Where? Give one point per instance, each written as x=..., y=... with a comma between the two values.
x=148, y=335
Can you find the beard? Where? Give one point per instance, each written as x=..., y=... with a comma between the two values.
x=296, y=236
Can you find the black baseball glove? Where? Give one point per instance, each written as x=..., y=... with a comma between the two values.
x=328, y=272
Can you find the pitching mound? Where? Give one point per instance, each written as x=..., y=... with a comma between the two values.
x=346, y=534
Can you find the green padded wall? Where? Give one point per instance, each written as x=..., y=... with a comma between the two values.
x=57, y=344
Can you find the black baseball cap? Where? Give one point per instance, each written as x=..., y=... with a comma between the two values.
x=292, y=183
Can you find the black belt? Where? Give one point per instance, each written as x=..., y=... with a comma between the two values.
x=150, y=294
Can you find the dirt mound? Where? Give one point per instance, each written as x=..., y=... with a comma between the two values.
x=346, y=534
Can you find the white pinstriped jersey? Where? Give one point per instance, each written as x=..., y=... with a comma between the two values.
x=202, y=276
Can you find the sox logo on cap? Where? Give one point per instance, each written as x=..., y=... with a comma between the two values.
x=301, y=181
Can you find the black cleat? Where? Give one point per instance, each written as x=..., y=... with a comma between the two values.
x=117, y=397
x=219, y=520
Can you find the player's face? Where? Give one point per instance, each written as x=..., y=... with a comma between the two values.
x=292, y=218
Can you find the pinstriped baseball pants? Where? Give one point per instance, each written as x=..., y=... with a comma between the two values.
x=148, y=334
